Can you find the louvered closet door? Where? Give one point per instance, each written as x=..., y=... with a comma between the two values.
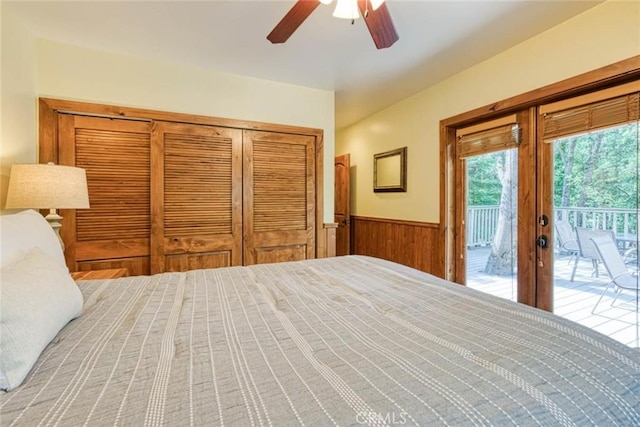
x=279, y=197
x=114, y=232
x=197, y=197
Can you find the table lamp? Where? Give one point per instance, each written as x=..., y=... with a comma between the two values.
x=47, y=186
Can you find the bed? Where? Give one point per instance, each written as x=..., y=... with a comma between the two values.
x=340, y=341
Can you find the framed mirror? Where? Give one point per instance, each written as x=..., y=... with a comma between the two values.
x=390, y=171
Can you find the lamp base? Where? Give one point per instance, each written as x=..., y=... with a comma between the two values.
x=54, y=221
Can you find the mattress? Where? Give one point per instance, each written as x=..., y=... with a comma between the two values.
x=341, y=341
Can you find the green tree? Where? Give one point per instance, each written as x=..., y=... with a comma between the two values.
x=598, y=169
x=484, y=187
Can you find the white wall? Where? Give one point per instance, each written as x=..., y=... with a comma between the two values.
x=603, y=35
x=18, y=106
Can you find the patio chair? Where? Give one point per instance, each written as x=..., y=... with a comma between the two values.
x=566, y=239
x=586, y=249
x=621, y=278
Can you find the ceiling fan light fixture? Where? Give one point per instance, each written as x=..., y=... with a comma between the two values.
x=378, y=22
x=346, y=9
x=374, y=3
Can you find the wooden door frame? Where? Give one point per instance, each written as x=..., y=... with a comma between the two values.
x=48, y=141
x=526, y=209
x=451, y=211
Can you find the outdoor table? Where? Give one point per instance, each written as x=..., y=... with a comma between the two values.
x=629, y=243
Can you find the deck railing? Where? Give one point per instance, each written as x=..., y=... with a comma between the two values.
x=483, y=220
x=481, y=225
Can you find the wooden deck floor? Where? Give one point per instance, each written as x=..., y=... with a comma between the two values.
x=572, y=300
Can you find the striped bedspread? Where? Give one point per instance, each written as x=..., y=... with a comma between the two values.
x=341, y=341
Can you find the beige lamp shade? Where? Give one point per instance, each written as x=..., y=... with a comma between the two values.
x=47, y=186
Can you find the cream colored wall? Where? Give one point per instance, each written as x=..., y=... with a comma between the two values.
x=18, y=83
x=71, y=72
x=603, y=35
x=32, y=68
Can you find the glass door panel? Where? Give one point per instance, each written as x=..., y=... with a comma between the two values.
x=494, y=215
x=595, y=194
x=492, y=223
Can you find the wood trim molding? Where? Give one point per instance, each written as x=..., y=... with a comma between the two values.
x=330, y=240
x=447, y=195
x=396, y=221
x=322, y=244
x=48, y=121
x=412, y=243
x=620, y=72
x=61, y=105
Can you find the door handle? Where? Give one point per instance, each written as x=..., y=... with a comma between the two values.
x=542, y=241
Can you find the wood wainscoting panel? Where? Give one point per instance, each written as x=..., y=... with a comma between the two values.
x=415, y=244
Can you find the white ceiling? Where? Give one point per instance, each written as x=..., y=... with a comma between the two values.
x=437, y=39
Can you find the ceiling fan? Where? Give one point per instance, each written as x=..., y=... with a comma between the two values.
x=375, y=12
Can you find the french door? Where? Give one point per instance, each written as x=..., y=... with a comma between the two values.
x=533, y=190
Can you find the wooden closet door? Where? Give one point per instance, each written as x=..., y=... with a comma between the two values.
x=114, y=232
x=279, y=197
x=197, y=197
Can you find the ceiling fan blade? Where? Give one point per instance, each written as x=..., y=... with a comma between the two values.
x=379, y=23
x=292, y=20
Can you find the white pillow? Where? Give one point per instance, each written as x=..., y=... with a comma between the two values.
x=25, y=230
x=37, y=298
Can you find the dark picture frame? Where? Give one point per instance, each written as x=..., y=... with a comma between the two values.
x=390, y=171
